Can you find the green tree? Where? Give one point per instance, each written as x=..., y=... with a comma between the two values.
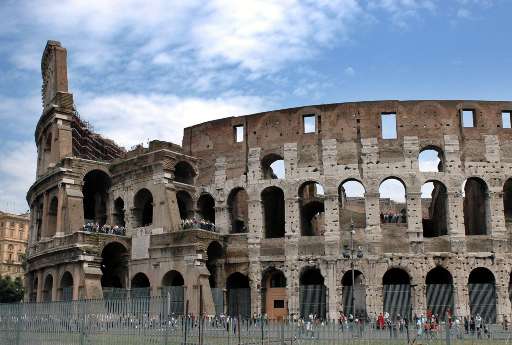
x=11, y=291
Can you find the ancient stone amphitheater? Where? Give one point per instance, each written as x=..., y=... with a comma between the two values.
x=266, y=213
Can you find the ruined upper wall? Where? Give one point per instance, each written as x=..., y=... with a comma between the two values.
x=349, y=124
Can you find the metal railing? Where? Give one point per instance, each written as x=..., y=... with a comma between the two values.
x=151, y=320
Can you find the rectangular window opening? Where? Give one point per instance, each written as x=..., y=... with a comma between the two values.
x=468, y=118
x=239, y=133
x=505, y=119
x=309, y=123
x=388, y=125
x=278, y=304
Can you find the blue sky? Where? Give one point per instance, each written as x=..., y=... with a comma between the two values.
x=146, y=69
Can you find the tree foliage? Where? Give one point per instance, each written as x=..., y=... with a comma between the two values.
x=11, y=291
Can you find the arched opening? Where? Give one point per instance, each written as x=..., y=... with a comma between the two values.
x=206, y=207
x=66, y=287
x=173, y=287
x=239, y=295
x=143, y=208
x=214, y=253
x=393, y=207
x=482, y=294
x=119, y=212
x=185, y=205
x=274, y=294
x=114, y=266
x=184, y=173
x=273, y=212
x=397, y=293
x=52, y=217
x=311, y=203
x=476, y=204
x=507, y=200
x=238, y=210
x=140, y=286
x=312, y=293
x=440, y=298
x=431, y=159
x=214, y=264
x=351, y=204
x=95, y=191
x=434, y=209
x=354, y=294
x=48, y=288
x=272, y=167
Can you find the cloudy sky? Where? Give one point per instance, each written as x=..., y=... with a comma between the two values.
x=145, y=69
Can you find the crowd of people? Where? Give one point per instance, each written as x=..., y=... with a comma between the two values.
x=104, y=229
x=393, y=217
x=196, y=223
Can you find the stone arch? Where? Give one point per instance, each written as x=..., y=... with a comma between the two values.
x=173, y=287
x=238, y=295
x=184, y=173
x=397, y=292
x=66, y=286
x=312, y=293
x=392, y=200
x=238, y=210
x=274, y=294
x=95, y=190
x=354, y=294
x=431, y=159
x=352, y=203
x=119, y=212
x=476, y=206
x=482, y=294
x=206, y=207
x=185, y=205
x=114, y=266
x=440, y=292
x=140, y=285
x=272, y=166
x=143, y=208
x=312, y=209
x=272, y=199
x=507, y=200
x=48, y=288
x=434, y=206
x=214, y=254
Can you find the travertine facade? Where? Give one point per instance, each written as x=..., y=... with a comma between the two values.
x=274, y=233
x=13, y=243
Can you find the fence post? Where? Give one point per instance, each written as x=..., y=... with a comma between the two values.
x=261, y=325
x=18, y=324
x=282, y=333
x=447, y=324
x=82, y=322
x=186, y=323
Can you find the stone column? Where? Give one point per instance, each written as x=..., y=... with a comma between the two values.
x=331, y=286
x=374, y=233
x=496, y=221
x=503, y=301
x=461, y=296
x=46, y=205
x=77, y=281
x=60, y=219
x=414, y=222
x=39, y=292
x=222, y=221
x=332, y=227
x=374, y=299
x=455, y=218
x=419, y=298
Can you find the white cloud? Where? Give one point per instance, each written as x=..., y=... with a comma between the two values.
x=392, y=189
x=350, y=71
x=131, y=119
x=17, y=173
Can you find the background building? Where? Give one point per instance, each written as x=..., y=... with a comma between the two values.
x=13, y=243
x=279, y=188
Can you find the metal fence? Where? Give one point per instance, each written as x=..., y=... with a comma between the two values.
x=151, y=320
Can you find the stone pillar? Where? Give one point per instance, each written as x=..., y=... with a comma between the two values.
x=222, y=221
x=374, y=299
x=414, y=222
x=254, y=281
x=39, y=292
x=55, y=286
x=496, y=221
x=77, y=281
x=60, y=219
x=455, y=218
x=419, y=298
x=331, y=224
x=502, y=300
x=292, y=279
x=331, y=288
x=46, y=205
x=373, y=230
x=461, y=297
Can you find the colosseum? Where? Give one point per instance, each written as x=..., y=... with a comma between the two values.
x=363, y=207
